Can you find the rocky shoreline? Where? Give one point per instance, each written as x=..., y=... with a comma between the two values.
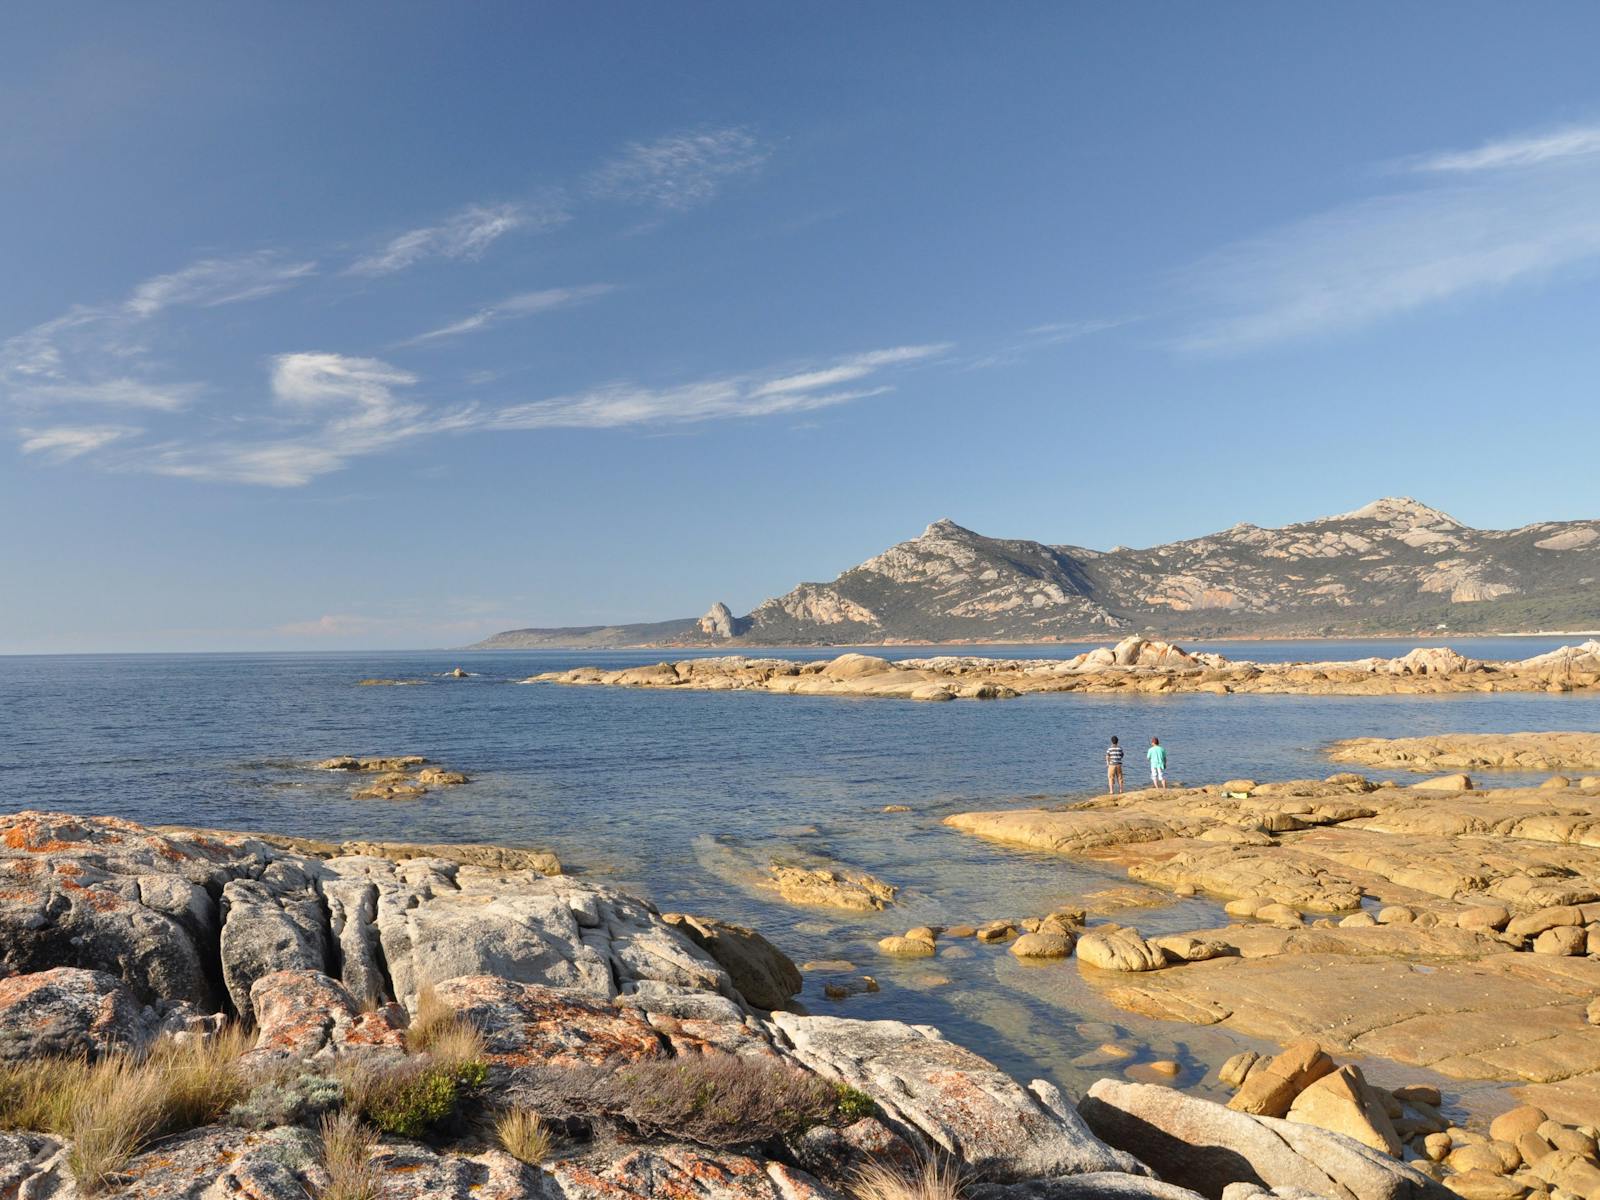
x=1134, y=664
x=652, y=1054
x=1423, y=914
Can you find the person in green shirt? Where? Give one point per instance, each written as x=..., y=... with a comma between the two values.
x=1157, y=754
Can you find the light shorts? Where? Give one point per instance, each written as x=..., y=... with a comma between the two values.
x=1158, y=774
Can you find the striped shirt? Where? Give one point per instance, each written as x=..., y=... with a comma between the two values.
x=1113, y=756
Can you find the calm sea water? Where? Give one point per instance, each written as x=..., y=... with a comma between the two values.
x=684, y=796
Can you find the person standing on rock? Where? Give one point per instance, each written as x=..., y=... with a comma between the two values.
x=1114, y=767
x=1157, y=754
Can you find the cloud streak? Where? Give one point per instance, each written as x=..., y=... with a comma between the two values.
x=1507, y=213
x=524, y=304
x=464, y=235
x=330, y=409
x=65, y=442
x=1573, y=142
x=680, y=171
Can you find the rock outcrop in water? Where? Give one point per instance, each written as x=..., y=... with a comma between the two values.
x=1134, y=664
x=1392, y=566
x=582, y=1004
x=1475, y=751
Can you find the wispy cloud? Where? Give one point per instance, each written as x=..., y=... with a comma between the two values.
x=114, y=393
x=464, y=235
x=626, y=404
x=214, y=281
x=682, y=170
x=1507, y=213
x=857, y=366
x=64, y=442
x=1042, y=337
x=99, y=356
x=332, y=408
x=1572, y=142
x=524, y=304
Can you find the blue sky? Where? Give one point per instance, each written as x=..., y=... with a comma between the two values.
x=393, y=325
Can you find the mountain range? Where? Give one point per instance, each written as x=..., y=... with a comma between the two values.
x=1394, y=566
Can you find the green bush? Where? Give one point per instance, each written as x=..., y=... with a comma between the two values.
x=852, y=1104
x=407, y=1102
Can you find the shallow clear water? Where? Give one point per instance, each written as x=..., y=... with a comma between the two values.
x=682, y=795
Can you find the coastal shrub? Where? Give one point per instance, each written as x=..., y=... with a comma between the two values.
x=286, y=1099
x=346, y=1156
x=113, y=1108
x=523, y=1135
x=852, y=1104
x=408, y=1097
x=715, y=1100
x=932, y=1180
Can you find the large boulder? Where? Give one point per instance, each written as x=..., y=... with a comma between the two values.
x=272, y=924
x=1344, y=1102
x=108, y=895
x=1205, y=1146
x=1118, y=948
x=71, y=1012
x=304, y=1014
x=948, y=1099
x=760, y=972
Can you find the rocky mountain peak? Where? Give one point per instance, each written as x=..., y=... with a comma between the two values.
x=1402, y=511
x=944, y=527
x=719, y=621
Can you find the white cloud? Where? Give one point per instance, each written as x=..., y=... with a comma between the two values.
x=329, y=409
x=857, y=367
x=465, y=235
x=113, y=393
x=339, y=407
x=626, y=404
x=681, y=170
x=522, y=305
x=214, y=281
x=1531, y=151
x=1464, y=229
x=64, y=442
x=1042, y=337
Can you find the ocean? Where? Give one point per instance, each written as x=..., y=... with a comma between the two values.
x=683, y=796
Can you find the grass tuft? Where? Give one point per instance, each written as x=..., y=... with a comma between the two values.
x=112, y=1109
x=347, y=1147
x=933, y=1180
x=523, y=1135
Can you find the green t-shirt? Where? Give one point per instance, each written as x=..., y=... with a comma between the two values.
x=1158, y=758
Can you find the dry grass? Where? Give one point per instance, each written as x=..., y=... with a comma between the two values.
x=347, y=1147
x=933, y=1180
x=438, y=1030
x=523, y=1135
x=112, y=1109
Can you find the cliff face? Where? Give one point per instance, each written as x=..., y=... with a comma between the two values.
x=1394, y=565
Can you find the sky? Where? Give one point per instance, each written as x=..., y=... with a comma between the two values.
x=393, y=325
